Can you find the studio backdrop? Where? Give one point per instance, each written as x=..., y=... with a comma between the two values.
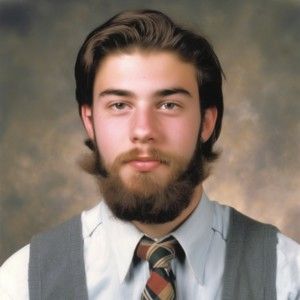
x=41, y=136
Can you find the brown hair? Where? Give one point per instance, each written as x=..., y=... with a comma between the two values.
x=152, y=30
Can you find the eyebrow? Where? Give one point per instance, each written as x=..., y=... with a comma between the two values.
x=115, y=92
x=159, y=93
x=173, y=91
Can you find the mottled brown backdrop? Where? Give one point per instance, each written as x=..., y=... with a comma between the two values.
x=41, y=135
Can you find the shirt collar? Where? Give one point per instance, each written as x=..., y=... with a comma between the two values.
x=122, y=235
x=90, y=220
x=195, y=236
x=119, y=234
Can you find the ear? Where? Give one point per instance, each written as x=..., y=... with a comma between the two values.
x=87, y=119
x=209, y=122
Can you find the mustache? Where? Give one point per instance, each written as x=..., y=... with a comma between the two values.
x=137, y=154
x=93, y=163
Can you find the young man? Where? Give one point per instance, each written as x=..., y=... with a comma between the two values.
x=150, y=98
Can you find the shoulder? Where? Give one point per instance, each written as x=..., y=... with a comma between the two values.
x=14, y=275
x=61, y=233
x=288, y=268
x=14, y=271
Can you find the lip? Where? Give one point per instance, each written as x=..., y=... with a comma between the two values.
x=144, y=164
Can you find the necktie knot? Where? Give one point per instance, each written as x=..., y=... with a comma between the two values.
x=158, y=254
x=161, y=283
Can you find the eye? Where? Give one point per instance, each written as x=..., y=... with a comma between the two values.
x=169, y=106
x=119, y=106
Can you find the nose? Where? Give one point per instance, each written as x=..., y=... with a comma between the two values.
x=143, y=126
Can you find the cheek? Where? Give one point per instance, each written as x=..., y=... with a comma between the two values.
x=184, y=137
x=110, y=139
x=188, y=130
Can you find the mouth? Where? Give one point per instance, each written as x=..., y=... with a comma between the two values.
x=145, y=164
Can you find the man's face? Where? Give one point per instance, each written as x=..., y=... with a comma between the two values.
x=145, y=118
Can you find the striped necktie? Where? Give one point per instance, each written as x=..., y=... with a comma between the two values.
x=160, y=284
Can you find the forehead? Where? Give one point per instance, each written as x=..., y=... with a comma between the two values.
x=142, y=68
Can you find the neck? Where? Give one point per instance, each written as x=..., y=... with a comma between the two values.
x=161, y=230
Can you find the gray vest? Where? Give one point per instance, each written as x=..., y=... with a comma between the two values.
x=56, y=265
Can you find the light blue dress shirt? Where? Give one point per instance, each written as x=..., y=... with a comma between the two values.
x=109, y=246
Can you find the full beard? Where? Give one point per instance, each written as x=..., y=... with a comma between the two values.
x=143, y=197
